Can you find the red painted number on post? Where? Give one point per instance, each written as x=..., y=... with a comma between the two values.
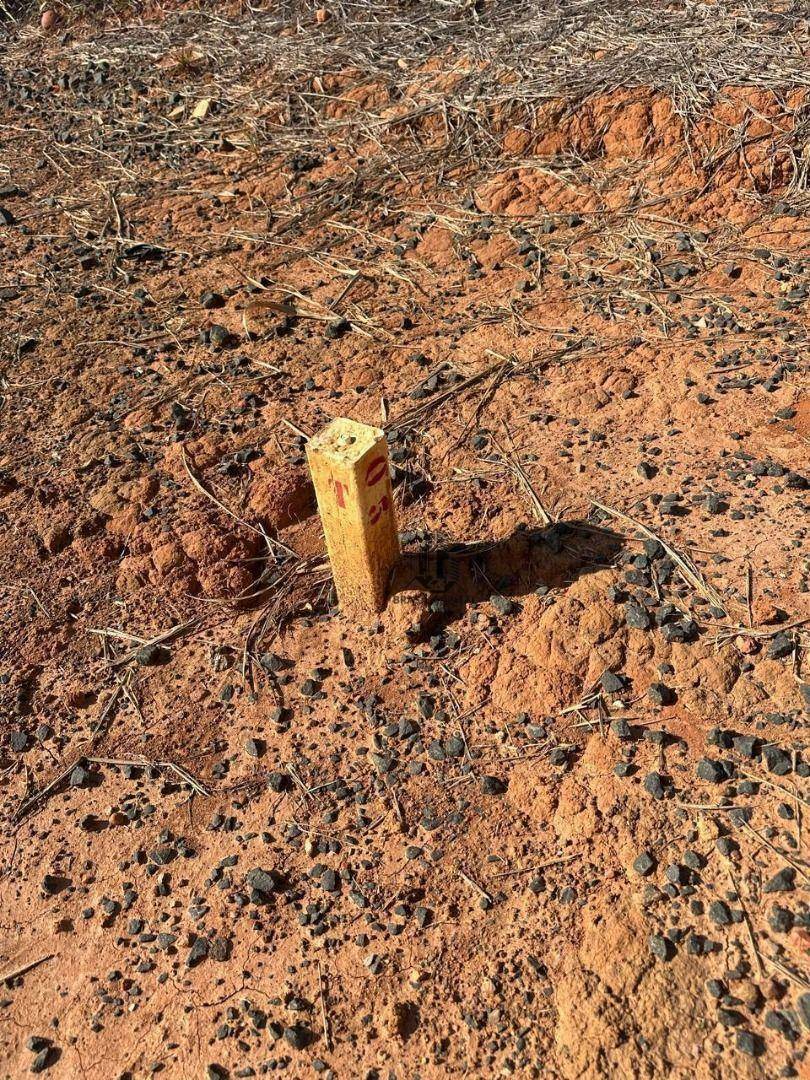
x=376, y=471
x=376, y=511
x=340, y=491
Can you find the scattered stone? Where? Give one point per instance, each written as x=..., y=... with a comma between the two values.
x=436, y=750
x=637, y=617
x=780, y=920
x=152, y=655
x=19, y=741
x=612, y=683
x=727, y=846
x=720, y=913
x=220, y=949
x=454, y=747
x=197, y=953
x=263, y=883
x=45, y=1058
x=80, y=777
x=254, y=747
x=783, y=881
x=656, y=784
x=778, y=761
x=330, y=882
x=219, y=336
x=775, y=1020
x=278, y=782
x=493, y=785
x=502, y=604
x=730, y=1018
x=712, y=771
x=659, y=694
x=621, y=729
x=644, y=864
x=781, y=646
x=661, y=947
x=750, y=1044
x=746, y=746
x=679, y=632
x=298, y=1037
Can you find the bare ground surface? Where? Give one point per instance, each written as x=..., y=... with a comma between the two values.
x=547, y=817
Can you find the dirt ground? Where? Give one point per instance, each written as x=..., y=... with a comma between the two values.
x=546, y=816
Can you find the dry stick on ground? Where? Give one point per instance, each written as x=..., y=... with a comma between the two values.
x=38, y=796
x=771, y=847
x=108, y=631
x=772, y=784
x=506, y=367
x=486, y=397
x=23, y=968
x=29, y=804
x=727, y=634
x=125, y=685
x=538, y=866
x=272, y=544
x=512, y=462
x=709, y=808
x=327, y=1030
x=36, y=599
x=315, y=575
x=688, y=571
x=165, y=636
x=749, y=594
x=106, y=712
x=305, y=789
x=413, y=416
x=144, y=763
x=398, y=808
x=748, y=927
x=474, y=885
x=791, y=976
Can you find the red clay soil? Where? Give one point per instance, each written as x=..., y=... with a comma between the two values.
x=545, y=817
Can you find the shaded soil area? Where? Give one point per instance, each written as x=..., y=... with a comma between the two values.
x=546, y=815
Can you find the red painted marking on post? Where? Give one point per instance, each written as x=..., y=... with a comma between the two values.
x=376, y=471
x=378, y=509
x=340, y=488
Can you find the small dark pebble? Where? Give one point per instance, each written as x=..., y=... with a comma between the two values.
x=46, y=1057
x=712, y=771
x=19, y=741
x=783, y=881
x=152, y=655
x=660, y=694
x=749, y=1043
x=502, y=604
x=720, y=913
x=298, y=1037
x=493, y=785
x=644, y=863
x=778, y=760
x=656, y=785
x=661, y=947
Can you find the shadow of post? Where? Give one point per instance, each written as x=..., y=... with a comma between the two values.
x=531, y=559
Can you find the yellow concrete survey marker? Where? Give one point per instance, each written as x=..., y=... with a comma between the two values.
x=349, y=466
